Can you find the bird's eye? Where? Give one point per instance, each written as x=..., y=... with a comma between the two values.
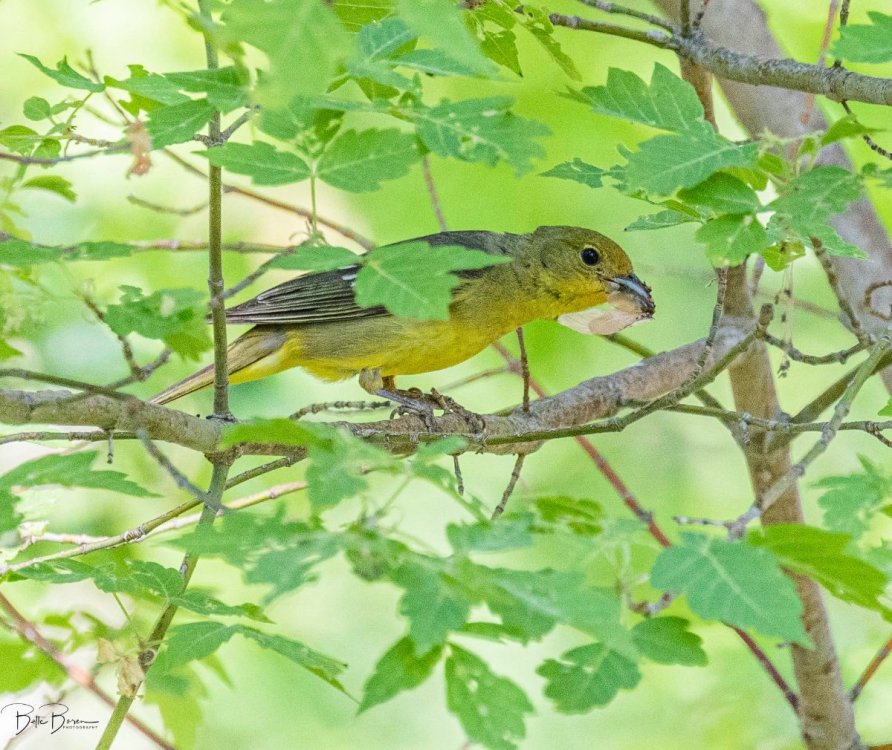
x=590, y=256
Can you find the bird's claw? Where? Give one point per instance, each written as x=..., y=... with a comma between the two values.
x=417, y=403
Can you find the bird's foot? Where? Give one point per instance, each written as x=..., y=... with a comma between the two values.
x=412, y=402
x=475, y=422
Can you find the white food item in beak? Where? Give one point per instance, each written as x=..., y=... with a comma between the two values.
x=621, y=311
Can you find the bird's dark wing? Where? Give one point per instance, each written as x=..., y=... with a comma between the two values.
x=328, y=296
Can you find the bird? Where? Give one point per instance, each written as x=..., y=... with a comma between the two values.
x=313, y=321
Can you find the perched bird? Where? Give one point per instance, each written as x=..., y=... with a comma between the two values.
x=313, y=321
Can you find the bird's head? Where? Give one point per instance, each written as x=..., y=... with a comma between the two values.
x=582, y=268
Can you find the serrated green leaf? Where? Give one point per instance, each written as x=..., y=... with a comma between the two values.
x=19, y=253
x=195, y=640
x=587, y=676
x=398, y=670
x=321, y=258
x=501, y=48
x=319, y=664
x=546, y=39
x=731, y=238
x=851, y=501
x=823, y=556
x=434, y=62
x=148, y=90
x=99, y=250
x=382, y=39
x=70, y=470
x=54, y=184
x=19, y=138
x=175, y=316
x=480, y=130
x=511, y=532
x=830, y=240
x=660, y=220
x=414, y=279
x=722, y=194
x=579, y=171
x=434, y=605
x=203, y=603
x=490, y=708
x=667, y=640
x=668, y=162
x=845, y=127
x=869, y=43
x=65, y=75
x=225, y=87
x=303, y=40
x=813, y=196
x=576, y=515
x=265, y=164
x=886, y=411
x=178, y=123
x=359, y=161
x=441, y=22
x=669, y=103
x=36, y=108
x=732, y=582
x=354, y=14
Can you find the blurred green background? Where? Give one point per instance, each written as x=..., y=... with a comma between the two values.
x=674, y=464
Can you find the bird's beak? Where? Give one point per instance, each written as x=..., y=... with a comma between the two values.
x=632, y=286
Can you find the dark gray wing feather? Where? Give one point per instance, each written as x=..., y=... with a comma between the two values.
x=328, y=296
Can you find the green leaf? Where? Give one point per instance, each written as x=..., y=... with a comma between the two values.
x=869, y=43
x=511, y=532
x=262, y=162
x=587, y=676
x=480, y=130
x=669, y=103
x=501, y=48
x=382, y=39
x=99, y=250
x=886, y=411
x=319, y=664
x=54, y=184
x=434, y=62
x=19, y=253
x=148, y=90
x=178, y=123
x=822, y=555
x=70, y=470
x=441, y=22
x=490, y=708
x=668, y=162
x=19, y=138
x=575, y=515
x=813, y=196
x=830, y=240
x=225, y=87
x=667, y=640
x=732, y=237
x=321, y=258
x=434, y=605
x=845, y=127
x=33, y=668
x=732, y=582
x=354, y=14
x=195, y=640
x=578, y=170
x=37, y=108
x=7, y=350
x=398, y=670
x=203, y=603
x=65, y=75
x=545, y=37
x=851, y=501
x=359, y=161
x=722, y=194
x=413, y=279
x=175, y=316
x=303, y=41
x=660, y=220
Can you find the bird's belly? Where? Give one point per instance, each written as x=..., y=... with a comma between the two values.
x=394, y=346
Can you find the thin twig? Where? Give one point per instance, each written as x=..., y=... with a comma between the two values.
x=769, y=667
x=158, y=208
x=432, y=193
x=871, y=669
x=333, y=405
x=512, y=482
x=631, y=12
x=524, y=369
x=164, y=462
x=841, y=298
x=20, y=159
x=840, y=357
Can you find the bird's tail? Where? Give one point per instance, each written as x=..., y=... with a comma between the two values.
x=247, y=350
